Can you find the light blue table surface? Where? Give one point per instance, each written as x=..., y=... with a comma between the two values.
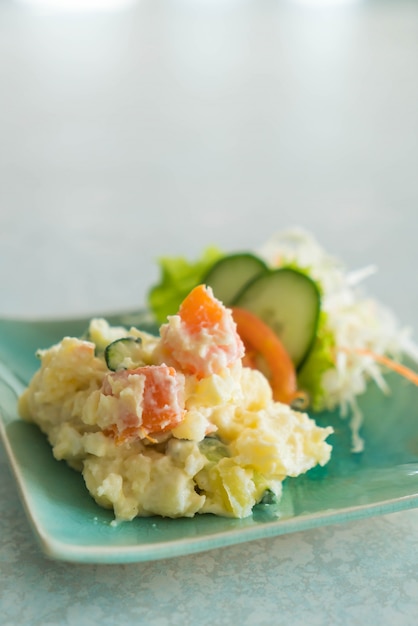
x=138, y=129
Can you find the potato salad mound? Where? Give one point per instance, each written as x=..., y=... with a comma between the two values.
x=172, y=425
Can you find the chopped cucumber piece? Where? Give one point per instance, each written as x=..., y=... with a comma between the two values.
x=289, y=302
x=123, y=354
x=229, y=275
x=213, y=449
x=269, y=498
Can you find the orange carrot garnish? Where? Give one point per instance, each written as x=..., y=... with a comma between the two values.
x=391, y=364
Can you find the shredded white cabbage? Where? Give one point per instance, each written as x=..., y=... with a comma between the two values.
x=356, y=322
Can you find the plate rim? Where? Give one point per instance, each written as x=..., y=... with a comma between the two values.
x=74, y=552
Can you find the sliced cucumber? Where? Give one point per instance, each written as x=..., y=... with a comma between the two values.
x=289, y=302
x=123, y=354
x=229, y=275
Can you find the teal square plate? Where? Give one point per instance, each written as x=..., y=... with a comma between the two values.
x=70, y=526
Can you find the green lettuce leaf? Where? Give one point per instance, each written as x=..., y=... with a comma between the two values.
x=178, y=277
x=320, y=359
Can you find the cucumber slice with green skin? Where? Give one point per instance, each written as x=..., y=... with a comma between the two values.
x=289, y=302
x=123, y=354
x=228, y=276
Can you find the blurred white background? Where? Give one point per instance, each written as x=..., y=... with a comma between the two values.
x=144, y=128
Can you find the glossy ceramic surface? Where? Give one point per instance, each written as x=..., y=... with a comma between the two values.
x=70, y=526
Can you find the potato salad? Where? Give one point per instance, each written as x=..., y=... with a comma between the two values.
x=171, y=425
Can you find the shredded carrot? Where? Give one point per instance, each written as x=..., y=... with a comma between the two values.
x=127, y=433
x=121, y=437
x=400, y=369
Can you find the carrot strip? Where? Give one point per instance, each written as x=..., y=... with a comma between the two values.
x=400, y=369
x=260, y=339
